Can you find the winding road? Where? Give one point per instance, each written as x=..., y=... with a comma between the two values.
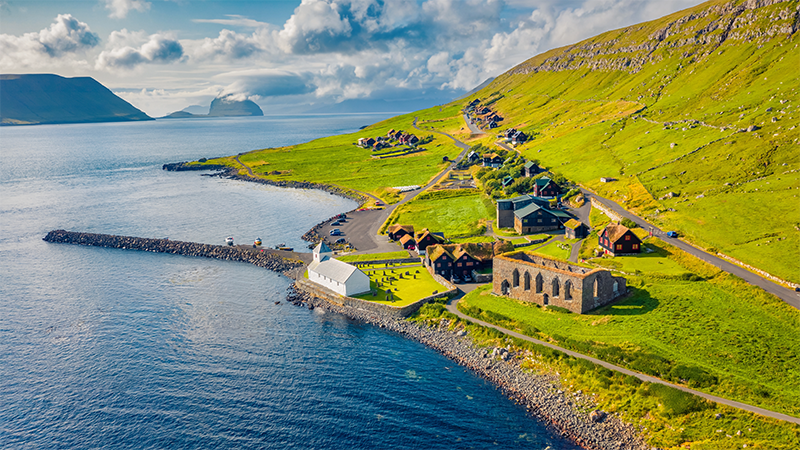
x=452, y=306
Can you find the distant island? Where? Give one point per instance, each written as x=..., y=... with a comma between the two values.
x=49, y=99
x=220, y=107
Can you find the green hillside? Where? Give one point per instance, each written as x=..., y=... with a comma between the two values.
x=46, y=98
x=665, y=107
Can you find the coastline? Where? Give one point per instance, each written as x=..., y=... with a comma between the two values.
x=541, y=395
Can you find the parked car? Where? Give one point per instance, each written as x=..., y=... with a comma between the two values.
x=336, y=222
x=467, y=278
x=455, y=279
x=672, y=234
x=341, y=241
x=336, y=232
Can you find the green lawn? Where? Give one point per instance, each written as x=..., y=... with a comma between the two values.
x=374, y=256
x=476, y=239
x=553, y=249
x=719, y=328
x=455, y=213
x=406, y=290
x=656, y=261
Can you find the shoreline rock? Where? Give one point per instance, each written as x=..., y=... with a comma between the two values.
x=574, y=417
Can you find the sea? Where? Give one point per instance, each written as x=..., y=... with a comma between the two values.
x=107, y=348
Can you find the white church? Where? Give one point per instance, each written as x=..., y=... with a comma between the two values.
x=338, y=276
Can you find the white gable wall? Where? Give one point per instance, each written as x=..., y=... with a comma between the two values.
x=356, y=283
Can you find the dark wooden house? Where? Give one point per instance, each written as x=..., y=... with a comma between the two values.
x=425, y=239
x=395, y=232
x=439, y=261
x=407, y=242
x=618, y=239
x=574, y=229
x=531, y=168
x=545, y=187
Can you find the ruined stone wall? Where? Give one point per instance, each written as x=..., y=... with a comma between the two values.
x=555, y=283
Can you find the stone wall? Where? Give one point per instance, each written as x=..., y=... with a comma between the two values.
x=330, y=296
x=265, y=259
x=611, y=214
x=550, y=282
x=764, y=274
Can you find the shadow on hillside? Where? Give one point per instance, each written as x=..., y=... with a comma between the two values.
x=638, y=301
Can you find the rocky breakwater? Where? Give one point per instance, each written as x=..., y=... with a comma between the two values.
x=265, y=259
x=573, y=416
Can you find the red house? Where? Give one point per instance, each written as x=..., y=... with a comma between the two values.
x=618, y=239
x=425, y=238
x=545, y=187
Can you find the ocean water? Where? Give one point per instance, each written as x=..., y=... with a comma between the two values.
x=105, y=348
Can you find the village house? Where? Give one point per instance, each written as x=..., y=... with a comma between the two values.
x=461, y=259
x=616, y=239
x=535, y=219
x=574, y=229
x=545, y=187
x=425, y=239
x=545, y=281
x=506, y=208
x=492, y=160
x=395, y=232
x=340, y=277
x=519, y=138
x=407, y=242
x=531, y=169
x=473, y=157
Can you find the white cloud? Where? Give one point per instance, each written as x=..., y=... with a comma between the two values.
x=229, y=45
x=234, y=21
x=119, y=8
x=65, y=36
x=126, y=50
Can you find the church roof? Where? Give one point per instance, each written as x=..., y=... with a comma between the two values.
x=322, y=247
x=334, y=269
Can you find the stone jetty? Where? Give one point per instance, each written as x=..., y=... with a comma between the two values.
x=258, y=257
x=573, y=416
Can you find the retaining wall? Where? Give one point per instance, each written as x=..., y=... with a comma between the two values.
x=611, y=214
x=365, y=305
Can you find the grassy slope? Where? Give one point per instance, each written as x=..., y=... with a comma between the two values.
x=336, y=160
x=455, y=213
x=589, y=124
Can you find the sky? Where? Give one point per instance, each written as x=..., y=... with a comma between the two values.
x=292, y=55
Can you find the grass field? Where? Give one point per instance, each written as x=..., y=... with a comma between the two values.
x=409, y=284
x=655, y=261
x=668, y=418
x=374, y=256
x=557, y=249
x=457, y=213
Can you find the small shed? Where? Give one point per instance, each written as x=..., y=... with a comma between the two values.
x=574, y=229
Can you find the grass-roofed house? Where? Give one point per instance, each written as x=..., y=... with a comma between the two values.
x=461, y=259
x=574, y=229
x=395, y=232
x=425, y=239
x=617, y=239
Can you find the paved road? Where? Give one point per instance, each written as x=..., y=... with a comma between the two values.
x=787, y=295
x=473, y=127
x=453, y=308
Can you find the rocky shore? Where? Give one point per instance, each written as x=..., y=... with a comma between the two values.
x=264, y=259
x=572, y=416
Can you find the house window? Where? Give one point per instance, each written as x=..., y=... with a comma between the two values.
x=458, y=265
x=636, y=246
x=449, y=264
x=619, y=246
x=438, y=264
x=628, y=237
x=469, y=263
x=552, y=220
x=539, y=220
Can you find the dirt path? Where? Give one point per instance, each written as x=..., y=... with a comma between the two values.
x=452, y=306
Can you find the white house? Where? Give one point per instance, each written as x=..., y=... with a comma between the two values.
x=338, y=276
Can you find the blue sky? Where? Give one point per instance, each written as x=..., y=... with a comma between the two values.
x=164, y=55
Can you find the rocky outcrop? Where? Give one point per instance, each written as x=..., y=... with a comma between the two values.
x=542, y=395
x=257, y=257
x=696, y=34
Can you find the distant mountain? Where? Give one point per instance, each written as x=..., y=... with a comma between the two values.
x=47, y=98
x=195, y=109
x=225, y=107
x=220, y=107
